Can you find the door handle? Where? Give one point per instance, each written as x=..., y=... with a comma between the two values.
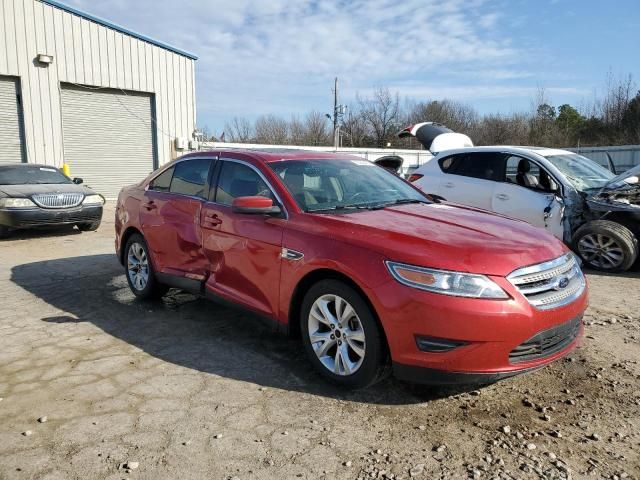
x=150, y=205
x=502, y=196
x=449, y=185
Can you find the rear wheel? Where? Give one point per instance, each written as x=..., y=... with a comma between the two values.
x=341, y=335
x=139, y=270
x=606, y=245
x=88, y=227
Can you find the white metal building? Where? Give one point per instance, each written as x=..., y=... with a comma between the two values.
x=77, y=89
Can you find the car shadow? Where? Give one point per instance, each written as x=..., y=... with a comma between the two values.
x=41, y=232
x=192, y=332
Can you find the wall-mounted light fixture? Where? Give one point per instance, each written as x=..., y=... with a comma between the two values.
x=45, y=59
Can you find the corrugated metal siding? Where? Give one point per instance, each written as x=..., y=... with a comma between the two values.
x=91, y=54
x=11, y=148
x=108, y=137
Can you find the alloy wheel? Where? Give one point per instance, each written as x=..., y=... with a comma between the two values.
x=138, y=266
x=601, y=251
x=336, y=335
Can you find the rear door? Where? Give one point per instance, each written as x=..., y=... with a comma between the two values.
x=170, y=218
x=242, y=250
x=469, y=178
x=540, y=206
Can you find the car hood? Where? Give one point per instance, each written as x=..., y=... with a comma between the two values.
x=621, y=193
x=620, y=182
x=24, y=191
x=446, y=236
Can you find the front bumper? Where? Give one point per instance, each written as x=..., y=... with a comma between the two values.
x=36, y=217
x=485, y=333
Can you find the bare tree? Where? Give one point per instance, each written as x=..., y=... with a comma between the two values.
x=239, y=130
x=354, y=129
x=271, y=130
x=381, y=113
x=618, y=94
x=316, y=129
x=457, y=116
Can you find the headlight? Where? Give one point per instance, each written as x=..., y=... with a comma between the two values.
x=93, y=200
x=448, y=283
x=16, y=203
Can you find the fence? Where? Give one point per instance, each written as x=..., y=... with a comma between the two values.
x=622, y=157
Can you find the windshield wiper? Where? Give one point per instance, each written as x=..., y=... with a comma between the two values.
x=400, y=201
x=342, y=206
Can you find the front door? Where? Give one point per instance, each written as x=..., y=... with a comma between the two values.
x=170, y=219
x=243, y=250
x=530, y=195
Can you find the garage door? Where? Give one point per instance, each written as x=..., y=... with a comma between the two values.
x=108, y=137
x=11, y=134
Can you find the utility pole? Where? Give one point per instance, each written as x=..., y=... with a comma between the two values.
x=336, y=127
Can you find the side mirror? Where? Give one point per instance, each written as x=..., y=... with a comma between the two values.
x=77, y=181
x=255, y=205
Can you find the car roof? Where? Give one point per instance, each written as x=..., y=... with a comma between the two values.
x=16, y=164
x=269, y=155
x=542, y=151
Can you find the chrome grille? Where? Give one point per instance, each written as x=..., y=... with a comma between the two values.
x=550, y=284
x=58, y=200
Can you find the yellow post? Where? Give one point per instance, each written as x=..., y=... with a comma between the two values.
x=66, y=170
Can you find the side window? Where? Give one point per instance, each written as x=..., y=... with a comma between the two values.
x=190, y=177
x=449, y=164
x=162, y=182
x=485, y=166
x=238, y=180
x=528, y=174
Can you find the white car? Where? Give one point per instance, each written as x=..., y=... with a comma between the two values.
x=574, y=198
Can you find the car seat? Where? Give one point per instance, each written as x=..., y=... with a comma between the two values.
x=294, y=180
x=523, y=177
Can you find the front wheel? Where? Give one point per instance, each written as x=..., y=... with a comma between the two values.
x=606, y=245
x=341, y=335
x=139, y=270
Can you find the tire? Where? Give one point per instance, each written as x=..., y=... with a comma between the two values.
x=367, y=359
x=88, y=227
x=606, y=246
x=137, y=254
x=4, y=231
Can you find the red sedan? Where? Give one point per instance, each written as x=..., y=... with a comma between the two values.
x=355, y=261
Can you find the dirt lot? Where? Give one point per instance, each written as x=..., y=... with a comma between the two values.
x=188, y=389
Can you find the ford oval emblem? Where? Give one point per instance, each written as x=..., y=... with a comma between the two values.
x=562, y=283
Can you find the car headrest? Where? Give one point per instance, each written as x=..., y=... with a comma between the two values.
x=524, y=166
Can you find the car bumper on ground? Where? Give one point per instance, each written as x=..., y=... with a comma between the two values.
x=36, y=217
x=441, y=339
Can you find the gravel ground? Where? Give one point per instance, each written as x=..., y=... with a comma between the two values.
x=95, y=384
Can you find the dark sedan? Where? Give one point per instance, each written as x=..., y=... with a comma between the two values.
x=38, y=195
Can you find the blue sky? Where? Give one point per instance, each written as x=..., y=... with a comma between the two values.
x=280, y=56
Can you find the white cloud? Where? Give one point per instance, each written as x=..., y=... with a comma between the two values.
x=279, y=56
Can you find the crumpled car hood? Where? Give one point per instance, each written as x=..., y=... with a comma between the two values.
x=618, y=194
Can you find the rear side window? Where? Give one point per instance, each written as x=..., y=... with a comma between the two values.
x=162, y=182
x=238, y=180
x=485, y=166
x=190, y=177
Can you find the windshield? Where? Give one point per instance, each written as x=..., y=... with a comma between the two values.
x=30, y=175
x=582, y=172
x=325, y=185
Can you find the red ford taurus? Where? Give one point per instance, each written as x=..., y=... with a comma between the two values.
x=355, y=261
